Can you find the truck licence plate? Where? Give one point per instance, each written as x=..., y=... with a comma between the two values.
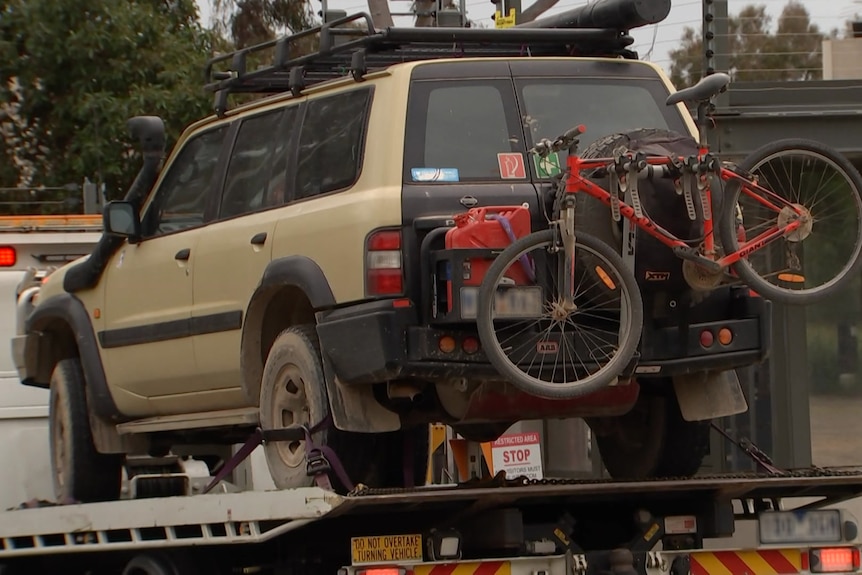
x=816, y=526
x=510, y=303
x=385, y=549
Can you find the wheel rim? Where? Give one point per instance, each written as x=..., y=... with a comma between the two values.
x=573, y=347
x=822, y=252
x=290, y=407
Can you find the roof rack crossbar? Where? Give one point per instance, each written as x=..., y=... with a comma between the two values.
x=356, y=50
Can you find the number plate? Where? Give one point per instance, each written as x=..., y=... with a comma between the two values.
x=511, y=302
x=385, y=549
x=820, y=526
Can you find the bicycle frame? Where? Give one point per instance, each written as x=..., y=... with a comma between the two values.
x=576, y=183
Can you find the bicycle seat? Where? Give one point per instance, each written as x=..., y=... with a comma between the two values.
x=710, y=86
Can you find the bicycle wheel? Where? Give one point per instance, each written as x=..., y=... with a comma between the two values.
x=534, y=342
x=816, y=259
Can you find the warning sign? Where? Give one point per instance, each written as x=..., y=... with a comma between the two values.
x=511, y=166
x=518, y=454
x=386, y=549
x=548, y=166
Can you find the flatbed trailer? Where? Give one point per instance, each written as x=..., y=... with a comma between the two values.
x=488, y=527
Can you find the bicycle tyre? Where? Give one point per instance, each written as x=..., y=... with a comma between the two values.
x=606, y=374
x=728, y=226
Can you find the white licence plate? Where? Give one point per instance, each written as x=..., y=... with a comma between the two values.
x=511, y=302
x=817, y=526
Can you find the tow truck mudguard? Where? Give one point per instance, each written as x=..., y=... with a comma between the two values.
x=68, y=309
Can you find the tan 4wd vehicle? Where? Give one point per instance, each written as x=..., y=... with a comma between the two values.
x=288, y=264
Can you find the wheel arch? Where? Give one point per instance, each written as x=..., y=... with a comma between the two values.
x=291, y=290
x=63, y=329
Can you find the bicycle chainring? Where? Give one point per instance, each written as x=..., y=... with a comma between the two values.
x=699, y=278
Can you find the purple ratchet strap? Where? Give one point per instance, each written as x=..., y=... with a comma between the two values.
x=320, y=459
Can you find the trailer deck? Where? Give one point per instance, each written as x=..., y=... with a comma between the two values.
x=258, y=517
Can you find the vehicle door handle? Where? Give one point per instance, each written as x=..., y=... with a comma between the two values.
x=183, y=255
x=258, y=239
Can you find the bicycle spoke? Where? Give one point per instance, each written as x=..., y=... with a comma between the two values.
x=824, y=244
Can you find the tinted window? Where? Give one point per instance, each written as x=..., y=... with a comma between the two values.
x=461, y=125
x=180, y=201
x=605, y=107
x=255, y=177
x=331, y=143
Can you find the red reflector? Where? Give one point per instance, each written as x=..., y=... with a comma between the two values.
x=385, y=282
x=470, y=345
x=8, y=257
x=385, y=240
x=834, y=560
x=401, y=302
x=706, y=338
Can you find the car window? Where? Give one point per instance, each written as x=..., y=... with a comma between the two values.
x=462, y=130
x=256, y=173
x=331, y=142
x=260, y=143
x=604, y=106
x=180, y=202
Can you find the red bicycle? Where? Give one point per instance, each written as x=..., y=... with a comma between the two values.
x=789, y=223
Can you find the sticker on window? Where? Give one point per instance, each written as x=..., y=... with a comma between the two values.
x=511, y=166
x=435, y=174
x=547, y=167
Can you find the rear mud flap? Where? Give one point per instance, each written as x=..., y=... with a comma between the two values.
x=707, y=395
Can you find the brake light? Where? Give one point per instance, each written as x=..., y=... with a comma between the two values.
x=8, y=256
x=384, y=275
x=832, y=560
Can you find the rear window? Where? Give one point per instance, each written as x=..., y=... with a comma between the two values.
x=458, y=130
x=605, y=106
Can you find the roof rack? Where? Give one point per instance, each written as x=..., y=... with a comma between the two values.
x=352, y=46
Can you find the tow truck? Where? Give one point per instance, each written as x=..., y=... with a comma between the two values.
x=174, y=520
x=485, y=526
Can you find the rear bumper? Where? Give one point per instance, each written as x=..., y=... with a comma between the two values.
x=377, y=341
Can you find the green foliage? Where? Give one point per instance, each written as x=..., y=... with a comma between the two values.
x=249, y=22
x=792, y=51
x=72, y=73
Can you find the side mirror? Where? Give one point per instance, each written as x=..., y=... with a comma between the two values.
x=120, y=218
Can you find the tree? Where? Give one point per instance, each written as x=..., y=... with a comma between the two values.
x=249, y=22
x=791, y=52
x=73, y=73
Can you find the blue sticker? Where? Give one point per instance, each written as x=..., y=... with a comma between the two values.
x=435, y=174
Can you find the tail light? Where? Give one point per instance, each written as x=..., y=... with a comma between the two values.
x=8, y=256
x=383, y=267
x=831, y=560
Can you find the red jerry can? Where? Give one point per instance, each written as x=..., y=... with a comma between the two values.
x=486, y=227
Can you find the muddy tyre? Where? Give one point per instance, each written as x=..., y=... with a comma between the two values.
x=80, y=472
x=293, y=392
x=651, y=440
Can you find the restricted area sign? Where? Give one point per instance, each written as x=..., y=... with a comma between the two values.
x=518, y=454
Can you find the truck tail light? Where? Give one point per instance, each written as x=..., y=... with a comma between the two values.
x=831, y=560
x=382, y=571
x=8, y=256
x=384, y=273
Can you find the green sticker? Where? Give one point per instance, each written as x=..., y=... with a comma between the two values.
x=549, y=166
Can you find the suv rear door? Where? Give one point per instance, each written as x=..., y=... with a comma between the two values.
x=464, y=147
